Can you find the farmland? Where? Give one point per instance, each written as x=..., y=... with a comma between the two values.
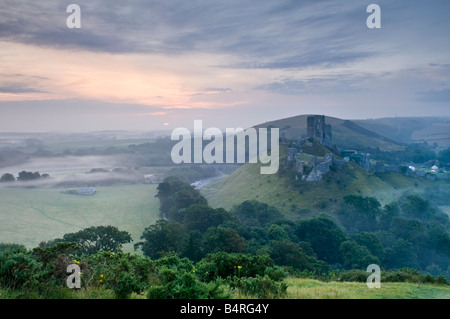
x=31, y=215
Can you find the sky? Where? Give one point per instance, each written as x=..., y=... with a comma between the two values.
x=161, y=64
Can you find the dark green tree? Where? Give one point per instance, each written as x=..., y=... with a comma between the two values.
x=254, y=213
x=400, y=255
x=98, y=238
x=163, y=237
x=28, y=176
x=355, y=256
x=371, y=242
x=223, y=239
x=324, y=235
x=7, y=177
x=200, y=217
x=360, y=213
x=417, y=207
x=287, y=253
x=175, y=196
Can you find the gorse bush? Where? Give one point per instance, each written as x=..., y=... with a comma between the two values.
x=19, y=270
x=226, y=265
x=184, y=285
x=260, y=286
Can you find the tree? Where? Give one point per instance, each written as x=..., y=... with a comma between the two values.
x=7, y=177
x=27, y=176
x=100, y=238
x=417, y=207
x=175, y=196
x=400, y=255
x=389, y=211
x=223, y=239
x=254, y=213
x=360, y=213
x=163, y=237
x=411, y=230
x=200, y=217
x=287, y=253
x=355, y=256
x=324, y=235
x=371, y=242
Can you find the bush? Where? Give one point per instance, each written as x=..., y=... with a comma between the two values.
x=124, y=273
x=261, y=287
x=225, y=265
x=18, y=270
x=355, y=275
x=185, y=286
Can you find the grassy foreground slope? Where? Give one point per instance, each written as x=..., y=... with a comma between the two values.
x=32, y=215
x=299, y=288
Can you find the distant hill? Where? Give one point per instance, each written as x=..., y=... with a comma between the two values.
x=411, y=129
x=346, y=133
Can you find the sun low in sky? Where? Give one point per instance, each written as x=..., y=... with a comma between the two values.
x=162, y=64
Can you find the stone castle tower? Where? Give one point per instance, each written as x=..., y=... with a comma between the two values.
x=319, y=130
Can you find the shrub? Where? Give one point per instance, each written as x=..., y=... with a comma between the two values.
x=225, y=265
x=185, y=286
x=18, y=270
x=356, y=275
x=260, y=286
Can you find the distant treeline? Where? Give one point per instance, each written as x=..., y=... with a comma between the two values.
x=23, y=176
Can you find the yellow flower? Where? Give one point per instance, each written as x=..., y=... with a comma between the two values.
x=101, y=275
x=239, y=267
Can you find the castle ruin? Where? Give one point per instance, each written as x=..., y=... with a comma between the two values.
x=319, y=130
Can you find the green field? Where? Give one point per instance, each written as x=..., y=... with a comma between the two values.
x=31, y=215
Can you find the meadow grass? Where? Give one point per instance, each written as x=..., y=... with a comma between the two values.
x=300, y=288
x=31, y=215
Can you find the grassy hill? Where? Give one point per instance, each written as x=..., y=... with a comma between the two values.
x=300, y=199
x=411, y=129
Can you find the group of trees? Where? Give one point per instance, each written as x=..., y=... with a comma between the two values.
x=411, y=233
x=198, y=251
x=407, y=234
x=22, y=176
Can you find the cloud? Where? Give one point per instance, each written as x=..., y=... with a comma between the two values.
x=269, y=34
x=435, y=96
x=18, y=88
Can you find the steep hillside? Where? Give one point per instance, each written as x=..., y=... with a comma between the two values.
x=300, y=199
x=346, y=134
